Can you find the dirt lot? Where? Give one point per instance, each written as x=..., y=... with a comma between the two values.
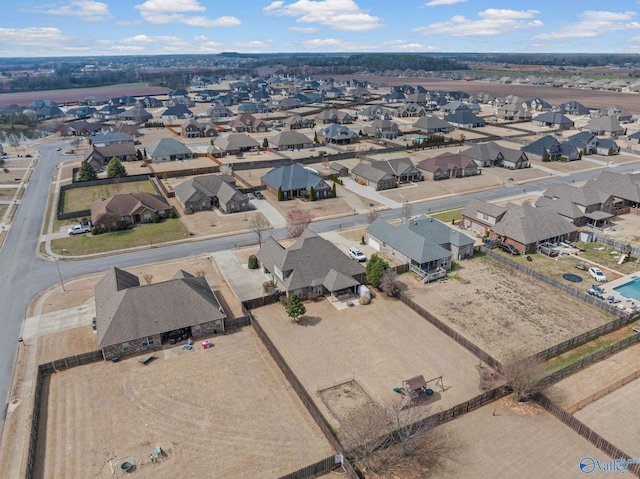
x=501, y=310
x=376, y=346
x=236, y=417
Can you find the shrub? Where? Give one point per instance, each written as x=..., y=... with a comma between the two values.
x=253, y=262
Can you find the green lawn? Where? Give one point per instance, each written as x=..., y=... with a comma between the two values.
x=148, y=234
x=448, y=215
x=79, y=199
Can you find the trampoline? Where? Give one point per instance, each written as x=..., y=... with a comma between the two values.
x=574, y=278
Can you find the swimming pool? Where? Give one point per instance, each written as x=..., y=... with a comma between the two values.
x=419, y=138
x=631, y=289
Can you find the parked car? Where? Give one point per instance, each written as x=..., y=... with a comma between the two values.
x=79, y=229
x=356, y=254
x=508, y=248
x=597, y=274
x=258, y=195
x=251, y=196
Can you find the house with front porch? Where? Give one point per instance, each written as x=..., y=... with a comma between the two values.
x=493, y=154
x=480, y=216
x=168, y=149
x=424, y=243
x=295, y=181
x=432, y=125
x=99, y=156
x=124, y=210
x=311, y=267
x=211, y=191
x=581, y=206
x=449, y=165
x=133, y=319
x=337, y=134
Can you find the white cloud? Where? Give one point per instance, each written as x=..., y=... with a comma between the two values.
x=492, y=22
x=304, y=29
x=593, y=24
x=336, y=44
x=89, y=10
x=170, y=11
x=435, y=3
x=39, y=41
x=343, y=15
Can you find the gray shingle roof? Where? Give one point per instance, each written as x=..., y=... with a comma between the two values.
x=527, y=224
x=167, y=147
x=126, y=311
x=209, y=186
x=236, y=141
x=311, y=260
x=294, y=177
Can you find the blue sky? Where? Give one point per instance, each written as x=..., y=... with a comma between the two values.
x=139, y=27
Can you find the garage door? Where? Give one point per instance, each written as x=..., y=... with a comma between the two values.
x=374, y=244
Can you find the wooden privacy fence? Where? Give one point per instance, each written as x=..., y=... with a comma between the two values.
x=452, y=333
x=617, y=244
x=44, y=370
x=585, y=431
x=602, y=392
x=608, y=308
x=318, y=469
x=302, y=394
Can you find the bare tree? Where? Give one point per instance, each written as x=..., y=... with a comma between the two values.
x=325, y=161
x=226, y=169
x=382, y=437
x=523, y=374
x=258, y=224
x=389, y=283
x=406, y=211
x=13, y=141
x=372, y=215
x=147, y=277
x=297, y=222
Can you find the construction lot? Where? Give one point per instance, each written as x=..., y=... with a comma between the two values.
x=220, y=412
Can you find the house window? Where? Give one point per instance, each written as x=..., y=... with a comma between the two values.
x=125, y=347
x=299, y=293
x=148, y=341
x=485, y=216
x=197, y=330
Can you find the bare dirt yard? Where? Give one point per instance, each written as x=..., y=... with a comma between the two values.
x=220, y=412
x=376, y=346
x=501, y=310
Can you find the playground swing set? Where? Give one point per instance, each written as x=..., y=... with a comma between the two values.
x=417, y=388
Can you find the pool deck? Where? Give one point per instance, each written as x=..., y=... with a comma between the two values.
x=629, y=304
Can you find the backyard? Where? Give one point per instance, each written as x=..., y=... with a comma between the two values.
x=78, y=199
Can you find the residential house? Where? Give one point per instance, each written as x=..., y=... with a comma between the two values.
x=109, y=112
x=295, y=122
x=581, y=206
x=423, y=243
x=81, y=113
x=211, y=191
x=131, y=318
x=110, y=137
x=514, y=112
x=333, y=116
x=219, y=112
x=234, y=144
x=80, y=128
x=193, y=129
x=554, y=119
x=337, y=134
x=402, y=169
x=410, y=110
x=339, y=170
x=124, y=210
x=366, y=174
x=449, y=165
x=375, y=112
x=493, y=154
x=136, y=114
x=290, y=140
x=522, y=226
x=289, y=103
x=456, y=105
x=465, y=119
x=45, y=109
x=432, y=125
x=177, y=112
x=247, y=123
x=295, y=181
x=625, y=188
x=311, y=267
x=385, y=129
x=605, y=125
x=589, y=144
x=548, y=148
x=99, y=156
x=572, y=107
x=253, y=108
x=168, y=149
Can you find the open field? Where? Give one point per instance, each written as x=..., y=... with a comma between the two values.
x=77, y=199
x=236, y=417
x=589, y=98
x=501, y=310
x=75, y=94
x=213, y=222
x=377, y=346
